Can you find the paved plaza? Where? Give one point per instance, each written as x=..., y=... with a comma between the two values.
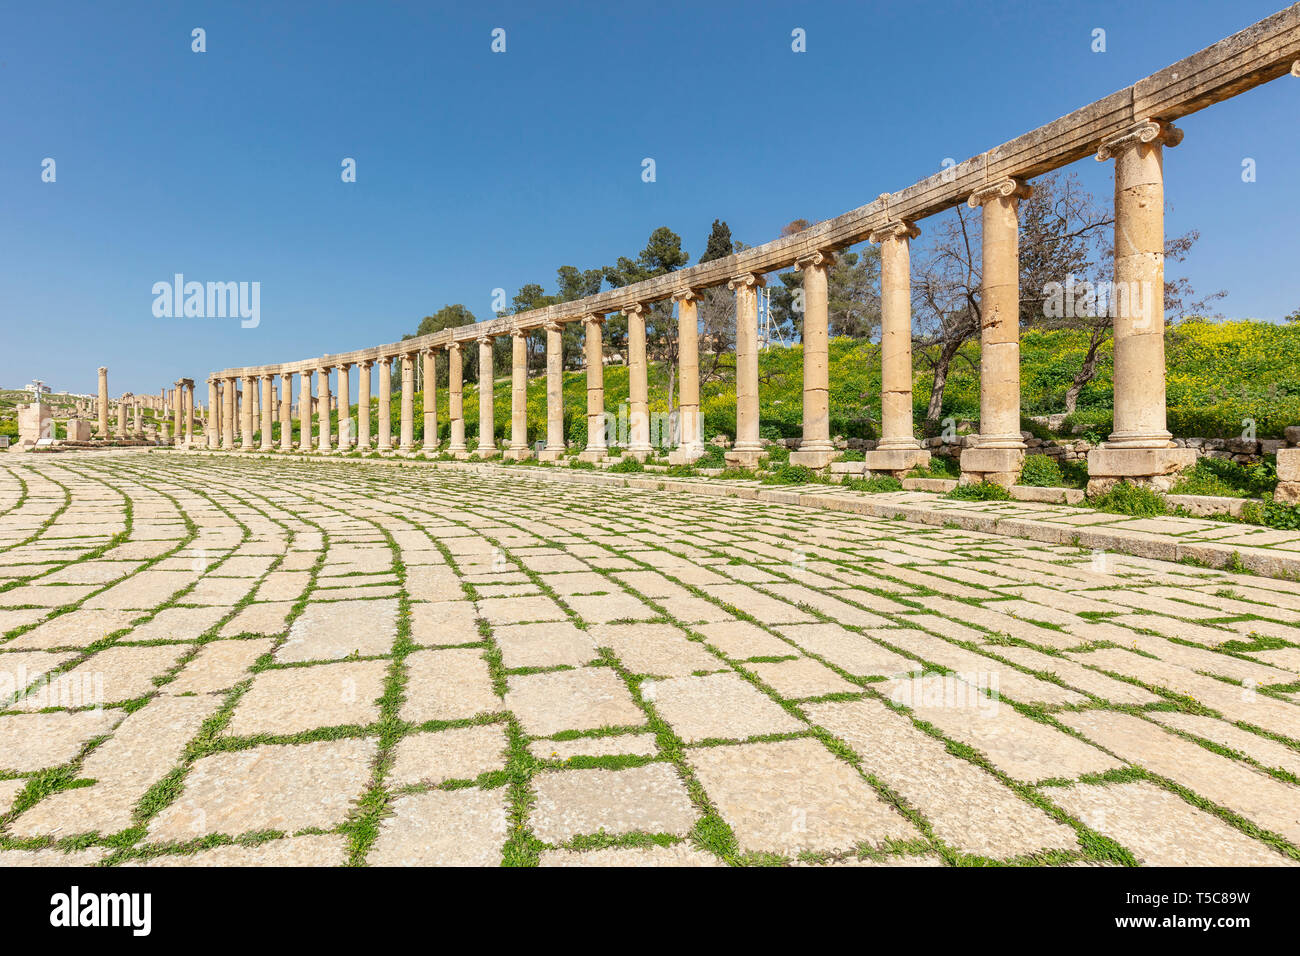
x=211, y=660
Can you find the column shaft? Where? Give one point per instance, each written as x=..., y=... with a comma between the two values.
x=304, y=410
x=408, y=402
x=455, y=398
x=286, y=411
x=748, y=449
x=638, y=419
x=430, y=360
x=385, y=404
x=268, y=408
x=189, y=414
x=816, y=450
x=690, y=443
x=246, y=415
x=363, y=406
x=213, y=429
x=228, y=414
x=345, y=407
x=102, y=408
x=594, y=354
x=518, y=395
x=487, y=439
x=554, y=392
x=324, y=440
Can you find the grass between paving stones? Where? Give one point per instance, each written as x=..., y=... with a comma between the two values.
x=891, y=594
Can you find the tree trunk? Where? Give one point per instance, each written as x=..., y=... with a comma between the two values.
x=1089, y=370
x=941, y=365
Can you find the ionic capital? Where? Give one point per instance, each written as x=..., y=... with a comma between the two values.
x=636, y=308
x=593, y=318
x=746, y=280
x=1147, y=131
x=1295, y=68
x=821, y=259
x=894, y=229
x=518, y=333
x=366, y=364
x=685, y=295
x=484, y=339
x=1002, y=189
x=455, y=347
x=550, y=325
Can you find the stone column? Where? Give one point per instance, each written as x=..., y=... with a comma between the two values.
x=594, y=353
x=213, y=429
x=246, y=415
x=268, y=409
x=898, y=451
x=324, y=438
x=430, y=360
x=638, y=398
x=554, y=393
x=178, y=411
x=999, y=451
x=385, y=404
x=286, y=411
x=103, y=402
x=690, y=444
x=816, y=450
x=487, y=438
x=255, y=398
x=1140, y=449
x=408, y=404
x=228, y=414
x=345, y=406
x=518, y=449
x=748, y=449
x=189, y=413
x=363, y=405
x=121, y=420
x=304, y=410
x=137, y=425
x=455, y=401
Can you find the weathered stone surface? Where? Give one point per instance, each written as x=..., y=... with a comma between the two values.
x=30, y=742
x=272, y=787
x=451, y=684
x=1160, y=829
x=679, y=854
x=795, y=680
x=458, y=753
x=717, y=706
x=584, y=699
x=295, y=699
x=640, y=745
x=792, y=796
x=218, y=666
x=648, y=799
x=544, y=644
x=443, y=828
x=310, y=850
x=338, y=629
x=658, y=649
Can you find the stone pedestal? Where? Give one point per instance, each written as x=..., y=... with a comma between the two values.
x=1156, y=468
x=1288, y=476
x=79, y=430
x=34, y=423
x=1001, y=466
x=895, y=461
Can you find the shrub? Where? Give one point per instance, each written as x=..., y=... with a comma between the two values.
x=578, y=433
x=777, y=454
x=1075, y=473
x=681, y=471
x=980, y=491
x=738, y=474
x=580, y=465
x=854, y=454
x=1127, y=498
x=1041, y=471
x=714, y=457
x=941, y=466
x=790, y=475
x=1272, y=514
x=627, y=465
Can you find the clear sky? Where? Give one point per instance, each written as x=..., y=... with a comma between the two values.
x=478, y=170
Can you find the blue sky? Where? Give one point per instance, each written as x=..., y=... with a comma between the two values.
x=478, y=170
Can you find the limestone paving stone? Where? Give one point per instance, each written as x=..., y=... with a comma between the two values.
x=543, y=644
x=9, y=790
x=285, y=787
x=291, y=700
x=320, y=849
x=79, y=628
x=678, y=854
x=520, y=610
x=464, y=827
x=458, y=753
x=856, y=654
x=143, y=591
x=177, y=624
x=967, y=807
x=31, y=742
x=444, y=622
x=52, y=857
x=805, y=677
x=451, y=684
x=1161, y=829
x=717, y=706
x=218, y=666
x=585, y=699
x=658, y=649
x=113, y=675
x=622, y=745
x=341, y=629
x=742, y=640
x=267, y=619
x=792, y=796
x=646, y=799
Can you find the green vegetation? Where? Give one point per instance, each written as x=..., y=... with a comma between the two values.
x=1130, y=499
x=1229, y=479
x=980, y=491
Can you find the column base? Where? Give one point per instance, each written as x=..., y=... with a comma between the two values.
x=550, y=454
x=517, y=454
x=745, y=457
x=686, y=455
x=1156, y=468
x=1001, y=466
x=593, y=454
x=640, y=453
x=489, y=452
x=896, y=461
